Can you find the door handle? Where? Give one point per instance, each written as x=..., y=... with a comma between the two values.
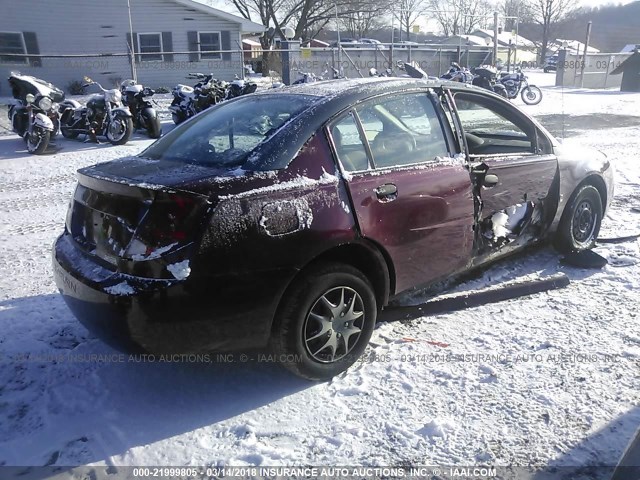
x=387, y=192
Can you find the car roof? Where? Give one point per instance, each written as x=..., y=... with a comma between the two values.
x=353, y=89
x=332, y=97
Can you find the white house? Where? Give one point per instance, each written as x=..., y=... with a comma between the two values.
x=573, y=46
x=526, y=49
x=78, y=38
x=507, y=38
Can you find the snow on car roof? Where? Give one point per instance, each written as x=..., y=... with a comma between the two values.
x=347, y=87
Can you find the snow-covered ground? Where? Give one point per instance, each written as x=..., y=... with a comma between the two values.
x=546, y=380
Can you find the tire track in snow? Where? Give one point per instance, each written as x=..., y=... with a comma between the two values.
x=34, y=202
x=32, y=228
x=37, y=183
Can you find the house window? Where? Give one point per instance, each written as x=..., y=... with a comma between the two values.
x=12, y=43
x=209, y=41
x=151, y=45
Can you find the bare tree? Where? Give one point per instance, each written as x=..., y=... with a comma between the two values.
x=522, y=9
x=459, y=17
x=306, y=17
x=359, y=17
x=408, y=12
x=548, y=14
x=260, y=9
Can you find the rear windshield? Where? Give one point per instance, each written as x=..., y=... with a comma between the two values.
x=227, y=134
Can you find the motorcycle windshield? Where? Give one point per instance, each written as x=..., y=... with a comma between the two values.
x=226, y=135
x=25, y=84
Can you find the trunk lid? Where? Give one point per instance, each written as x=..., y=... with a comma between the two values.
x=139, y=215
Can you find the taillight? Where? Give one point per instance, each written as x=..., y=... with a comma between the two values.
x=171, y=221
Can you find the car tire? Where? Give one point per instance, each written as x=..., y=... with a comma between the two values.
x=309, y=331
x=580, y=222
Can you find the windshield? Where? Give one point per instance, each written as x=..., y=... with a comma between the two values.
x=228, y=133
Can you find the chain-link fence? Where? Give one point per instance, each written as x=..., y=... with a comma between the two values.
x=354, y=62
x=68, y=71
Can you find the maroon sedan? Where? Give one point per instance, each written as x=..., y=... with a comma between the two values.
x=289, y=218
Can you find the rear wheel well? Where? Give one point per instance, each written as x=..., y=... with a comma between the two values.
x=369, y=260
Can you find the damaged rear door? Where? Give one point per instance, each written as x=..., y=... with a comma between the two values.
x=513, y=167
x=409, y=195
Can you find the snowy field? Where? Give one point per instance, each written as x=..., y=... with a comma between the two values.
x=546, y=380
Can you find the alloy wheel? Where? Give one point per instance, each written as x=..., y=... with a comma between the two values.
x=334, y=324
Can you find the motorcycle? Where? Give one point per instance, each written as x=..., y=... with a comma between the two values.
x=144, y=115
x=188, y=101
x=485, y=77
x=387, y=72
x=103, y=115
x=517, y=82
x=458, y=74
x=239, y=87
x=307, y=77
x=414, y=70
x=34, y=115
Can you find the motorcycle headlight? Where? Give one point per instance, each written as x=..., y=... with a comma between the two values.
x=45, y=104
x=30, y=98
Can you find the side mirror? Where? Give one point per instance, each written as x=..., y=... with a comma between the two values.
x=490, y=180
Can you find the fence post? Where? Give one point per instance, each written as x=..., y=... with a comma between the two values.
x=288, y=62
x=560, y=67
x=333, y=59
x=584, y=54
x=606, y=74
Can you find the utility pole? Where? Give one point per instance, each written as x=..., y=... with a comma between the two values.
x=495, y=37
x=131, y=53
x=584, y=54
x=339, y=43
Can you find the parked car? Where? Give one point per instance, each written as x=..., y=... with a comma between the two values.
x=347, y=42
x=290, y=217
x=405, y=44
x=551, y=64
x=370, y=41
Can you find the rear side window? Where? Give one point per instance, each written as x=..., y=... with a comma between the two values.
x=226, y=135
x=402, y=130
x=349, y=146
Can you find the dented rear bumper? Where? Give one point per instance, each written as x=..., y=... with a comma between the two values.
x=167, y=316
